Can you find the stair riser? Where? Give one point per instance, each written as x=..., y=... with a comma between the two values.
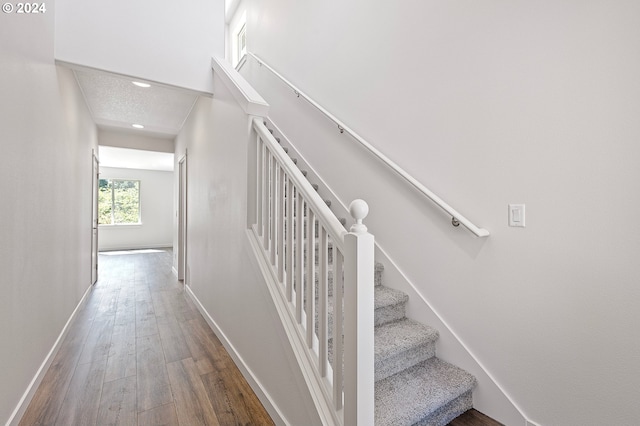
x=389, y=314
x=444, y=415
x=403, y=360
x=377, y=275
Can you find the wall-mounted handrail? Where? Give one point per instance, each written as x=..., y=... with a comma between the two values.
x=457, y=218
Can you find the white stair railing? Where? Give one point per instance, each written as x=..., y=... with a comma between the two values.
x=323, y=275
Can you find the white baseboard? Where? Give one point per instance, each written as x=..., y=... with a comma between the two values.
x=135, y=246
x=255, y=384
x=20, y=409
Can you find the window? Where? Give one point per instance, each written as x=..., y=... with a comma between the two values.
x=237, y=48
x=119, y=202
x=242, y=42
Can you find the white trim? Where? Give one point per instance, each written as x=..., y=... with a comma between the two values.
x=181, y=249
x=255, y=384
x=136, y=247
x=241, y=63
x=20, y=409
x=247, y=97
x=95, y=214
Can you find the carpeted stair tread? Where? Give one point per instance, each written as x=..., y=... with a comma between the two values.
x=430, y=393
x=389, y=304
x=385, y=296
x=401, y=344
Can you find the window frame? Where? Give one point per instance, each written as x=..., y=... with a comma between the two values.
x=139, y=199
x=239, y=29
x=241, y=41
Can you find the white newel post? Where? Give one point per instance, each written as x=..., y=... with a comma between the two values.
x=359, y=399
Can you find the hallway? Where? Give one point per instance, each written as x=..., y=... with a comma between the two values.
x=139, y=352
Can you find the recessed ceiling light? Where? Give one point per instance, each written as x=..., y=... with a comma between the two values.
x=137, y=83
x=138, y=126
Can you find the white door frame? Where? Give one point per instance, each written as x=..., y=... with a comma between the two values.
x=182, y=217
x=95, y=177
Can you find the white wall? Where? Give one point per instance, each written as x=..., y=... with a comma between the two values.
x=156, y=211
x=489, y=104
x=221, y=269
x=129, y=140
x=45, y=221
x=169, y=43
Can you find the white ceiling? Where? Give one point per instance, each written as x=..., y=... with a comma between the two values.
x=115, y=102
x=126, y=158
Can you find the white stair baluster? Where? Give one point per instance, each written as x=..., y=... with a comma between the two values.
x=259, y=185
x=310, y=278
x=290, y=232
x=338, y=349
x=281, y=223
x=267, y=198
x=323, y=300
x=274, y=209
x=299, y=257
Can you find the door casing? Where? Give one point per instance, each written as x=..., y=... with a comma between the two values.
x=94, y=216
x=182, y=218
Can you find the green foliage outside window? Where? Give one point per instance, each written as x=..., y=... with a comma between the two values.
x=118, y=201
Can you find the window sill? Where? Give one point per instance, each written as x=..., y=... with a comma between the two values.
x=121, y=226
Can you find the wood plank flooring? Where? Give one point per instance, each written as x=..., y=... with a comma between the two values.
x=139, y=353
x=474, y=418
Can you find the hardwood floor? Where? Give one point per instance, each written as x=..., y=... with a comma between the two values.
x=474, y=418
x=139, y=353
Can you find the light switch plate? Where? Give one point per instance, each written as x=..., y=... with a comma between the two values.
x=517, y=215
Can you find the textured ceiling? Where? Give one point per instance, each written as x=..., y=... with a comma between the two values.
x=114, y=101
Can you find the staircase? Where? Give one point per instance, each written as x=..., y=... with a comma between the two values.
x=412, y=385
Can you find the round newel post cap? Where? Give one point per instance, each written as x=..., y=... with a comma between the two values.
x=359, y=209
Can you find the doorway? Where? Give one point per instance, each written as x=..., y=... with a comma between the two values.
x=94, y=217
x=182, y=218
